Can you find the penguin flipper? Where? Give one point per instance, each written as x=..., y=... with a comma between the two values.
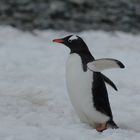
x=105, y=63
x=108, y=81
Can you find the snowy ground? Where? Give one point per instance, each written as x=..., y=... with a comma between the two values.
x=34, y=104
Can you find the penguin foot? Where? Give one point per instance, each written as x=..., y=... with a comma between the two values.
x=112, y=124
x=101, y=127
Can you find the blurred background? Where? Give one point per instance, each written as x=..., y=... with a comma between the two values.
x=72, y=15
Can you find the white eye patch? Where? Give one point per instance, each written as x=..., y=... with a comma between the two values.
x=74, y=37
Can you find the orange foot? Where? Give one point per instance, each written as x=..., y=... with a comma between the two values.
x=101, y=127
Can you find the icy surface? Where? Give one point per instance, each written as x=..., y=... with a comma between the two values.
x=34, y=104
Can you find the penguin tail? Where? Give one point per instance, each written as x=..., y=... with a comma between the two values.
x=112, y=124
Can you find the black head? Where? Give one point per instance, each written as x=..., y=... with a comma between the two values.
x=77, y=45
x=74, y=42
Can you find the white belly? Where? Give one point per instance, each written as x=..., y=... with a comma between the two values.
x=79, y=84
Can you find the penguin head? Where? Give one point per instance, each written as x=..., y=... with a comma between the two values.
x=74, y=43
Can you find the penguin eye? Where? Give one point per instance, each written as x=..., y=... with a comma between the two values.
x=72, y=38
x=69, y=40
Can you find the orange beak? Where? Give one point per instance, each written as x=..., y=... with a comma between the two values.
x=58, y=40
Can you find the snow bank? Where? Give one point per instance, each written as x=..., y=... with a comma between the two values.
x=34, y=104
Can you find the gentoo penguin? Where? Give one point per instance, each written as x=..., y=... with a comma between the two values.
x=86, y=84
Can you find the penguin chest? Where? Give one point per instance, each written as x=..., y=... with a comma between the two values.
x=79, y=85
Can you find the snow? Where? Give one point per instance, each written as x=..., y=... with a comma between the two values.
x=34, y=104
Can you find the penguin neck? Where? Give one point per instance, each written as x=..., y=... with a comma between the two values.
x=86, y=57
